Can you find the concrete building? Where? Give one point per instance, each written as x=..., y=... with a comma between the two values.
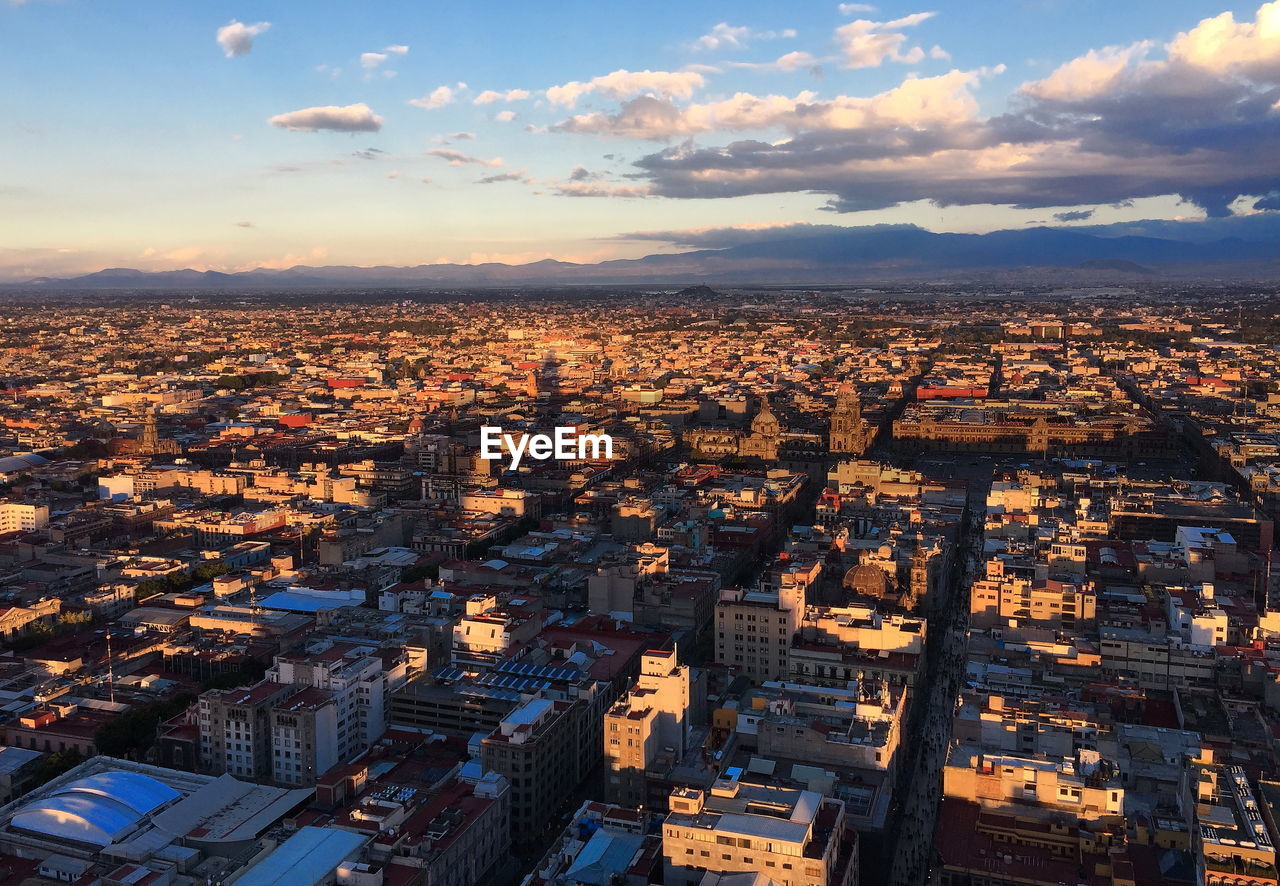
x=304, y=736
x=754, y=631
x=655, y=718
x=21, y=517
x=1016, y=595
x=795, y=837
x=235, y=729
x=355, y=677
x=535, y=748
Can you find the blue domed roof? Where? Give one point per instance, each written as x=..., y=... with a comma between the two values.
x=97, y=809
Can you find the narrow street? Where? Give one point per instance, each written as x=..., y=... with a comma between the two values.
x=925, y=749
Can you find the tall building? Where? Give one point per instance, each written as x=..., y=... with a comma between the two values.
x=667, y=685
x=754, y=631
x=312, y=712
x=652, y=721
x=535, y=748
x=793, y=837
x=630, y=749
x=356, y=679
x=304, y=736
x=15, y=516
x=235, y=729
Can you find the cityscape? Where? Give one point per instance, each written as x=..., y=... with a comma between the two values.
x=871, y=481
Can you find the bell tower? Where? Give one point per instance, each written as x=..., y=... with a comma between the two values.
x=849, y=430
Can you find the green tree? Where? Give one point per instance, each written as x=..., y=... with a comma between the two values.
x=56, y=764
x=134, y=731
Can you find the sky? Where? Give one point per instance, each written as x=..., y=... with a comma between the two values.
x=159, y=134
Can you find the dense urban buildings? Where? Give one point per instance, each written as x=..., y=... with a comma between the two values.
x=979, y=594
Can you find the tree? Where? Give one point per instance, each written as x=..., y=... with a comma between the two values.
x=417, y=573
x=210, y=570
x=56, y=764
x=134, y=731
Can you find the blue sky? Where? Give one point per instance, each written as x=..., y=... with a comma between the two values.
x=135, y=137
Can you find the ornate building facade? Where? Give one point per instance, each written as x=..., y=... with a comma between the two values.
x=850, y=432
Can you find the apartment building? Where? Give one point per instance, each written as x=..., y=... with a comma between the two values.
x=793, y=837
x=1238, y=847
x=488, y=630
x=355, y=677
x=655, y=718
x=855, y=728
x=535, y=748
x=754, y=631
x=304, y=736
x=235, y=729
x=1009, y=593
x=20, y=517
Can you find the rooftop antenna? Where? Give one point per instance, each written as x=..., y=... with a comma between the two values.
x=111, y=673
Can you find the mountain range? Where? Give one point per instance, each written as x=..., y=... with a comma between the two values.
x=878, y=252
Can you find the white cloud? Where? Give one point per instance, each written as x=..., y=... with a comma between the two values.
x=1221, y=45
x=505, y=116
x=457, y=158
x=727, y=36
x=371, y=60
x=851, y=8
x=236, y=38
x=1197, y=122
x=1089, y=75
x=489, y=96
x=623, y=84
x=918, y=102
x=868, y=44
x=438, y=97
x=722, y=35
x=791, y=61
x=1199, y=64
x=348, y=118
x=598, y=189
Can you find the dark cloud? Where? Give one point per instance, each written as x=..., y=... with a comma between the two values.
x=1198, y=118
x=1073, y=215
x=504, y=177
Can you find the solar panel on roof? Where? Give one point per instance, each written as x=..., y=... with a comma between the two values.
x=567, y=675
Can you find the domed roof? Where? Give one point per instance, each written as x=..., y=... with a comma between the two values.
x=97, y=810
x=866, y=580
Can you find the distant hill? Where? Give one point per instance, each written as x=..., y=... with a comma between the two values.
x=1114, y=264
x=878, y=252
x=693, y=293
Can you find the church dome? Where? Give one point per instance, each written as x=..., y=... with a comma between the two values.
x=867, y=581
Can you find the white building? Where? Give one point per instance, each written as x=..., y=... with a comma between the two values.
x=19, y=517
